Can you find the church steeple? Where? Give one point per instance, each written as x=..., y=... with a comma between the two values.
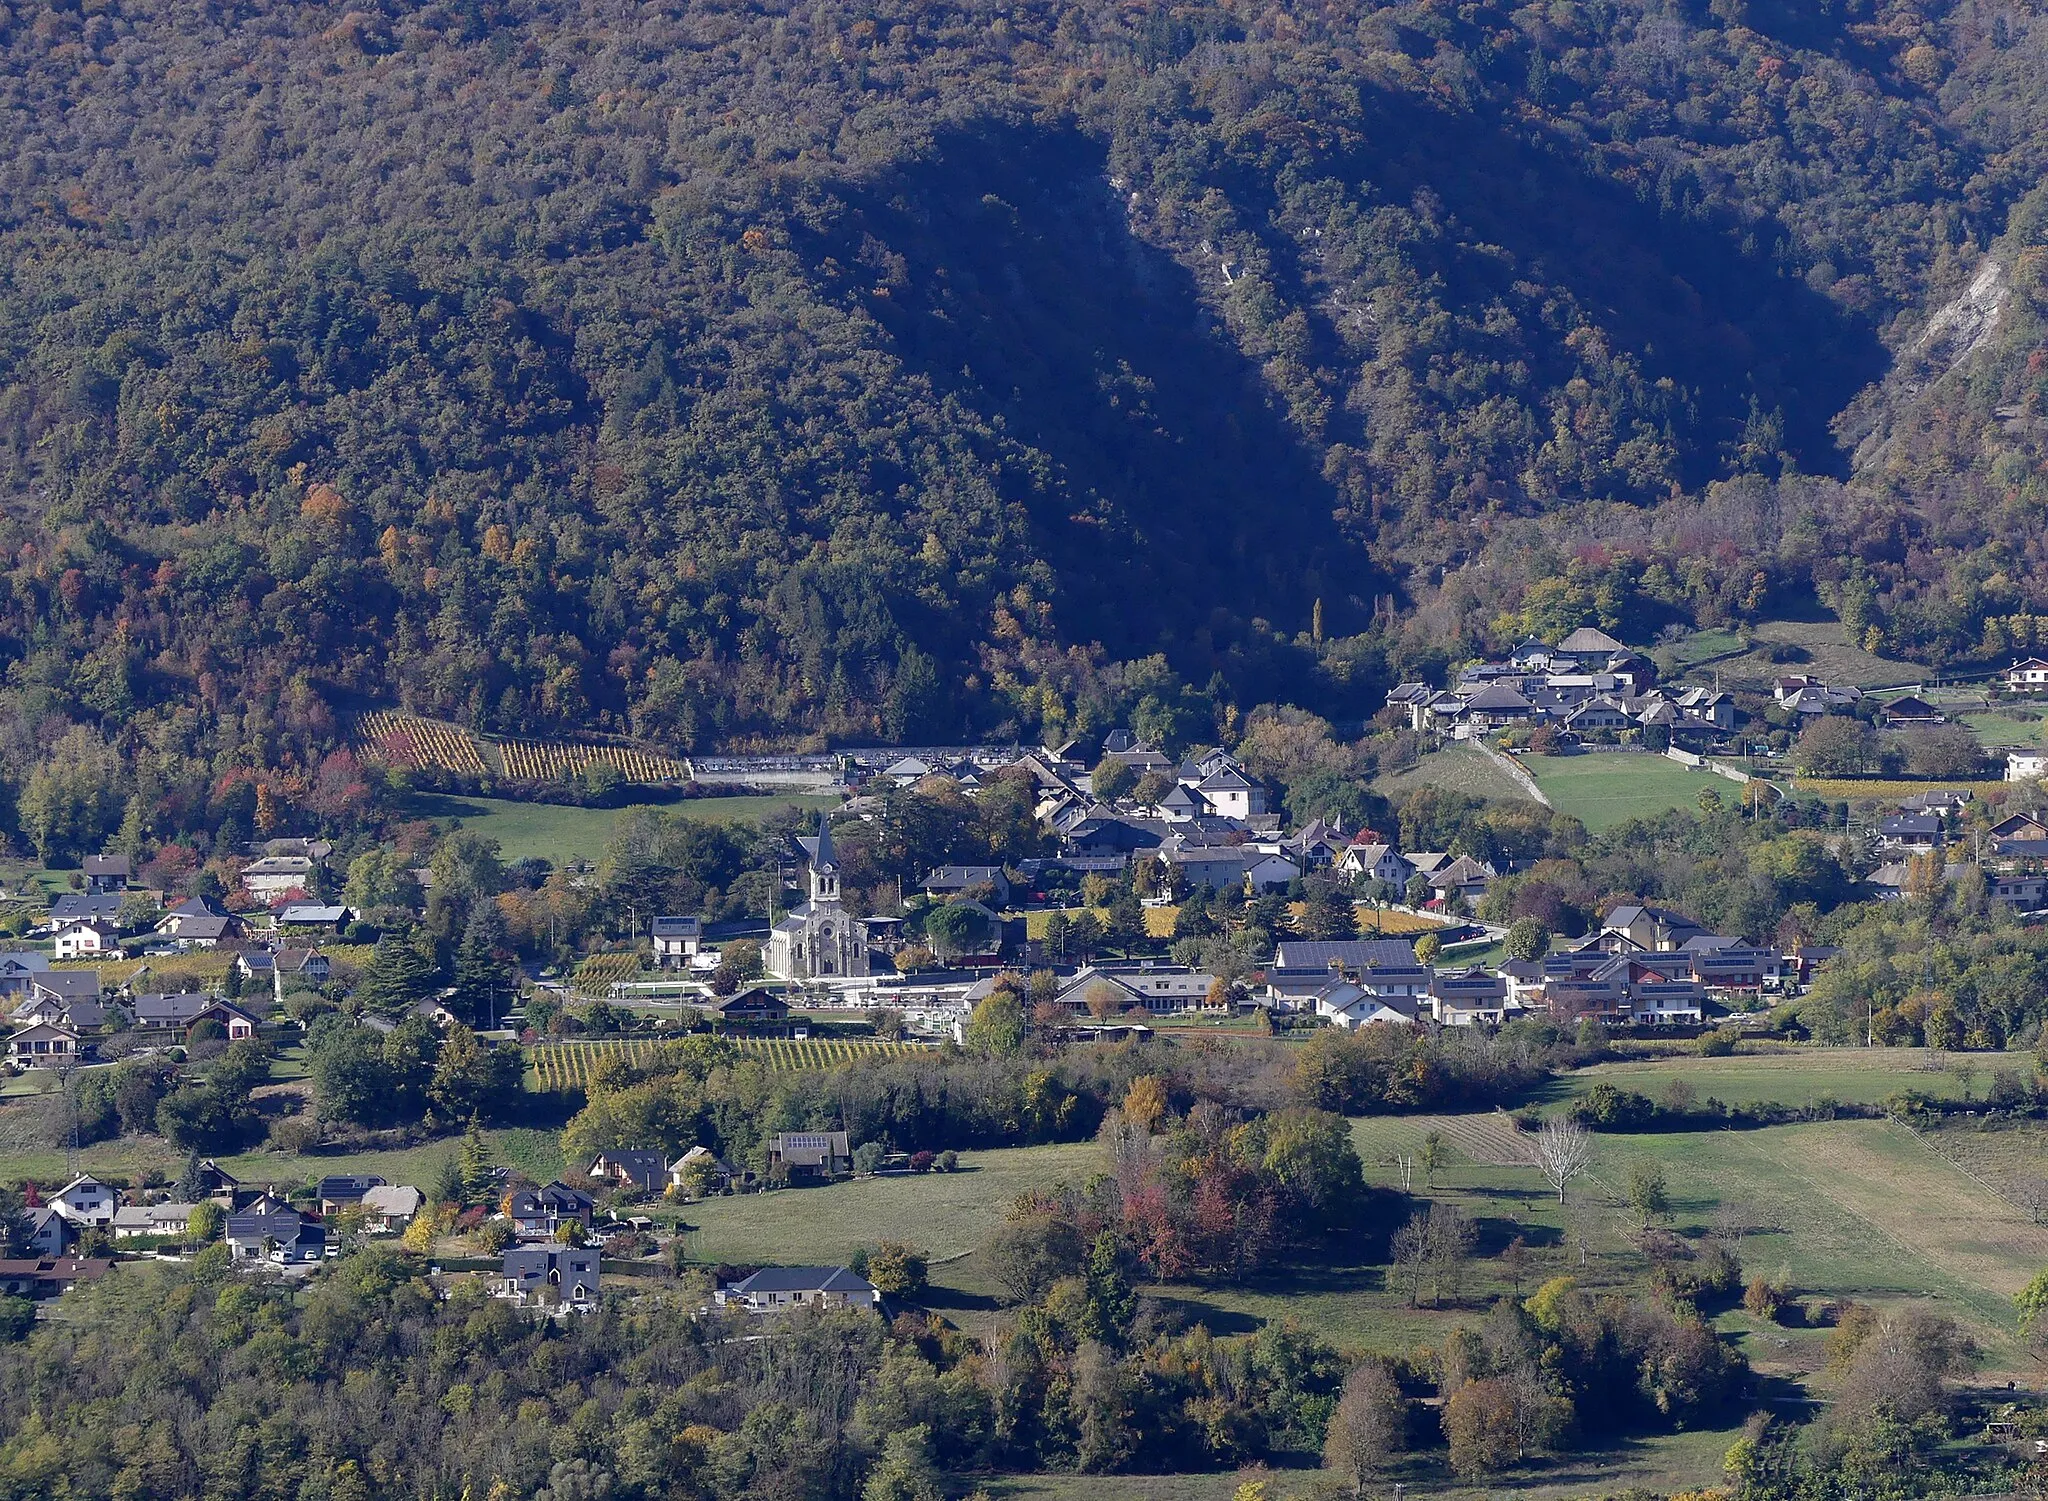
x=824, y=864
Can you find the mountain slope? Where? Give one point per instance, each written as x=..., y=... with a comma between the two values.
x=716, y=372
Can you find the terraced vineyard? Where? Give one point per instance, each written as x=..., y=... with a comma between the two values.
x=569, y=1065
x=599, y=971
x=566, y=760
x=406, y=739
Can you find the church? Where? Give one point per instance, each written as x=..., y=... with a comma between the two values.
x=819, y=939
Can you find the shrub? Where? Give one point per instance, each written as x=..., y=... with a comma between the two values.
x=949, y=1161
x=1763, y=1301
x=1719, y=1043
x=921, y=1162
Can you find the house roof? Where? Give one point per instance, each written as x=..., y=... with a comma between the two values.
x=158, y=1010
x=1496, y=698
x=34, y=962
x=282, y=1225
x=393, y=1199
x=677, y=927
x=108, y=865
x=644, y=1165
x=802, y=1279
x=348, y=1186
x=1356, y=953
x=68, y=984
x=72, y=905
x=311, y=913
x=1588, y=639
x=204, y=927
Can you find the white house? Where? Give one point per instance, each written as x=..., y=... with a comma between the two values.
x=390, y=1207
x=152, y=1219
x=774, y=1289
x=85, y=939
x=2026, y=766
x=2030, y=676
x=276, y=876
x=1350, y=1005
x=85, y=1201
x=676, y=940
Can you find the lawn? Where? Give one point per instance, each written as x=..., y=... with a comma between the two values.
x=1662, y=1464
x=1799, y=1076
x=945, y=1213
x=1604, y=788
x=1820, y=648
x=1456, y=768
x=2003, y=728
x=561, y=834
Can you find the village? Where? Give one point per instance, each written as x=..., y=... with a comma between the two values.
x=1109, y=938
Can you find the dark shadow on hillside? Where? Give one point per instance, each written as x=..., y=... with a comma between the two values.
x=1689, y=299
x=1182, y=505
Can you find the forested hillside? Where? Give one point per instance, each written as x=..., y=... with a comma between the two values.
x=721, y=372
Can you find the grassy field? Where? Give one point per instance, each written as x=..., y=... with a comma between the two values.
x=561, y=834
x=2002, y=729
x=1798, y=1077
x=1604, y=788
x=1820, y=648
x=945, y=1213
x=1663, y=1464
x=1459, y=768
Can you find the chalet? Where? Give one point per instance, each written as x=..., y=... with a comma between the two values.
x=389, y=1207
x=46, y=1276
x=316, y=850
x=2030, y=676
x=775, y=1289
x=86, y=938
x=676, y=940
x=1710, y=704
x=233, y=1020
x=551, y=1274
x=1910, y=709
x=2022, y=826
x=1911, y=831
x=43, y=1045
x=754, y=1005
x=85, y=1201
x=133, y=1221
x=281, y=1235
x=540, y=1212
x=344, y=1191
x=644, y=1169
x=810, y=1154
